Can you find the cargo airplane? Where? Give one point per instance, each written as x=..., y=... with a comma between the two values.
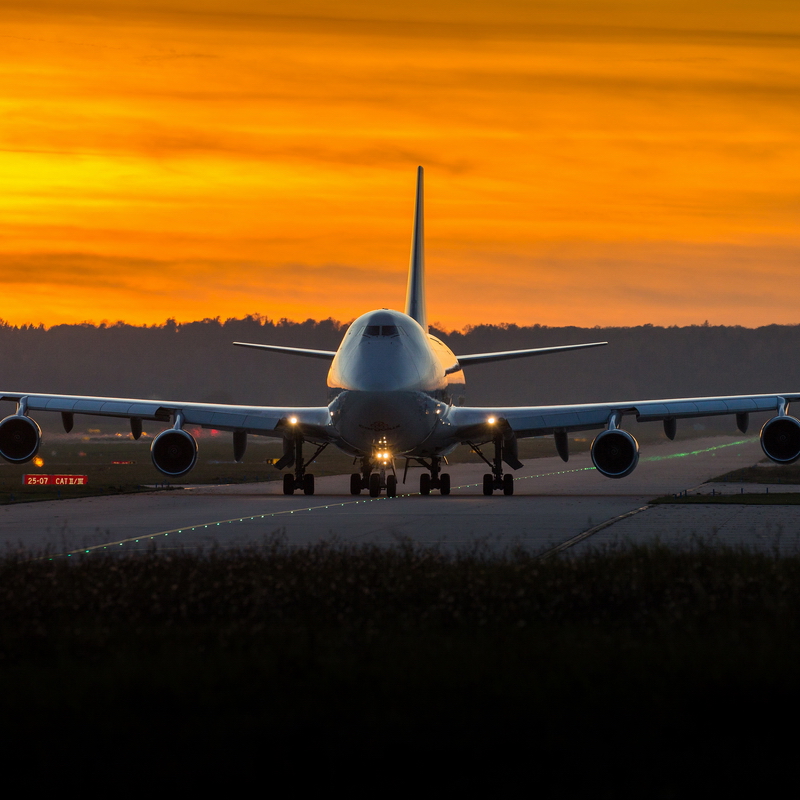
x=396, y=392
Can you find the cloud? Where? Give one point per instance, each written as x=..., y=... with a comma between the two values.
x=598, y=284
x=193, y=153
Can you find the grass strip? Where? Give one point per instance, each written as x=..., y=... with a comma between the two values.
x=767, y=472
x=747, y=499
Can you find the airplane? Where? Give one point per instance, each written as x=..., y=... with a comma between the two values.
x=396, y=391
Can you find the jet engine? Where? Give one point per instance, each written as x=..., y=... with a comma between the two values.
x=615, y=453
x=780, y=439
x=20, y=438
x=174, y=452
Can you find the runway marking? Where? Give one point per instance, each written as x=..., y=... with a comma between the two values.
x=559, y=548
x=216, y=523
x=284, y=512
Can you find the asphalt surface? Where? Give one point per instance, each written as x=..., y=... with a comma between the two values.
x=553, y=503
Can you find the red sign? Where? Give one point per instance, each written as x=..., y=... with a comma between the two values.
x=55, y=480
x=123, y=462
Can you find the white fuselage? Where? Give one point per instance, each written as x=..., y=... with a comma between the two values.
x=391, y=384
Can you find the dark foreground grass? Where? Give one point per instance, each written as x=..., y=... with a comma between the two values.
x=638, y=671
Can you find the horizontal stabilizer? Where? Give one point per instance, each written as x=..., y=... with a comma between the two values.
x=505, y=355
x=296, y=351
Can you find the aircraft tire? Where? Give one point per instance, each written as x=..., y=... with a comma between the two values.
x=308, y=484
x=355, y=483
x=444, y=483
x=508, y=484
x=391, y=486
x=374, y=484
x=488, y=484
x=425, y=483
x=288, y=483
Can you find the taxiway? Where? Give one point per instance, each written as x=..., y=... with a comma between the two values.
x=553, y=503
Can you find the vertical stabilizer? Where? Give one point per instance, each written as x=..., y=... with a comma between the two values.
x=415, y=294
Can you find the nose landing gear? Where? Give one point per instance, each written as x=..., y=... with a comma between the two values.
x=375, y=482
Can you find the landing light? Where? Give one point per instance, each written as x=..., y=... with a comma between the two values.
x=491, y=420
x=293, y=420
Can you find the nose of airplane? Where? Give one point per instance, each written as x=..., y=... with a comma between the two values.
x=398, y=420
x=382, y=366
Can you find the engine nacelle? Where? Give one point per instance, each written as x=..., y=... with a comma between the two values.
x=174, y=452
x=615, y=453
x=780, y=439
x=20, y=438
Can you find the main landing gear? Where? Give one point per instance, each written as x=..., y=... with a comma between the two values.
x=495, y=479
x=292, y=483
x=434, y=478
x=491, y=482
x=375, y=482
x=301, y=480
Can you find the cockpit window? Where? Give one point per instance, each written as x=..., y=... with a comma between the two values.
x=381, y=330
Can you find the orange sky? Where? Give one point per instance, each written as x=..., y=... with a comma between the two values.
x=589, y=163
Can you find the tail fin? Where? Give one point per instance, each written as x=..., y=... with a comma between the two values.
x=415, y=294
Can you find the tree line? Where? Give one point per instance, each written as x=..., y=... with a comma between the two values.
x=196, y=361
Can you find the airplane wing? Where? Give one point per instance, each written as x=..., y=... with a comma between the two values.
x=314, y=422
x=526, y=421
x=615, y=452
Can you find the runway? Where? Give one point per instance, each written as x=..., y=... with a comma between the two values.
x=553, y=502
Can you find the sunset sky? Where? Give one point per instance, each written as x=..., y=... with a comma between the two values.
x=587, y=163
